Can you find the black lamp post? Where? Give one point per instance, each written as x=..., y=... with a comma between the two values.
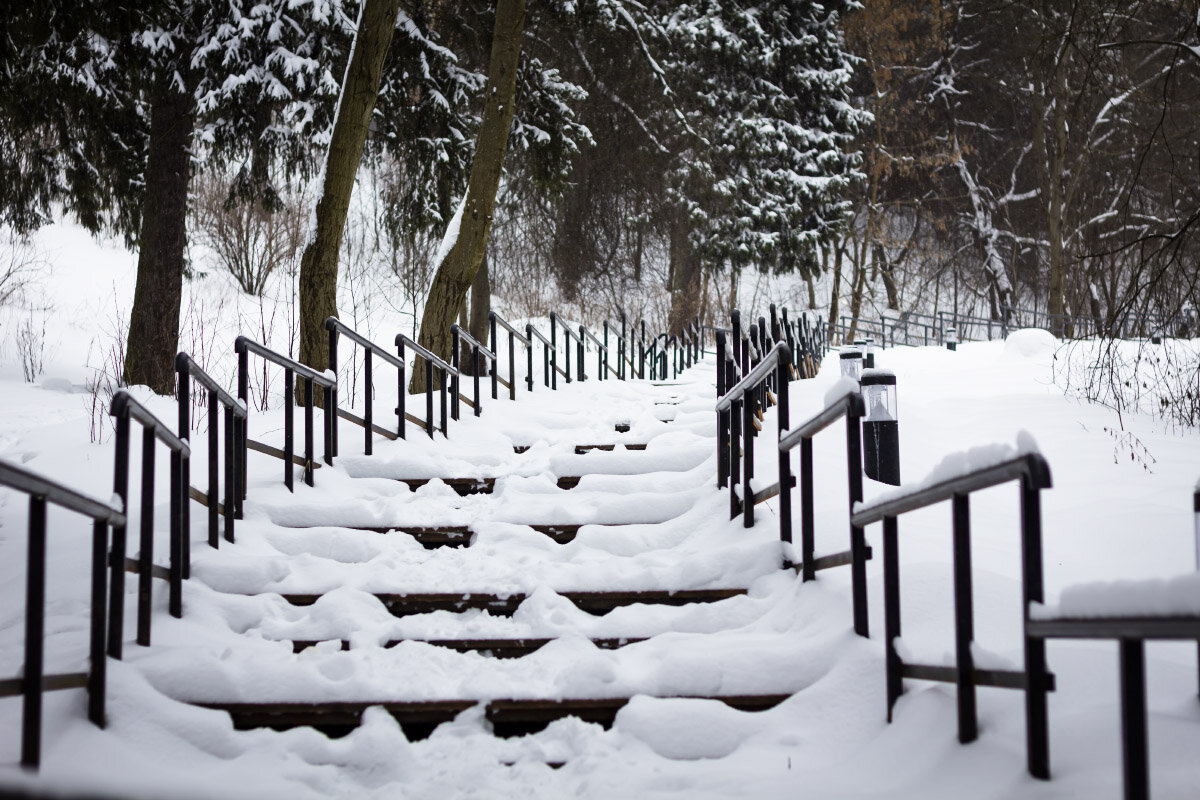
x=881, y=427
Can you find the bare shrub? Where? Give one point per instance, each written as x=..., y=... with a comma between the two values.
x=106, y=360
x=1131, y=376
x=247, y=240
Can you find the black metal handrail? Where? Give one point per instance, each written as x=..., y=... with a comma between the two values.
x=187, y=371
x=514, y=336
x=431, y=362
x=457, y=337
x=1033, y=473
x=744, y=399
x=555, y=322
x=601, y=353
x=125, y=409
x=337, y=329
x=547, y=349
x=848, y=405
x=292, y=369
x=33, y=681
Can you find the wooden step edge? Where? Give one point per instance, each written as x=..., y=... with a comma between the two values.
x=466, y=486
x=508, y=717
x=581, y=449
x=497, y=648
x=506, y=604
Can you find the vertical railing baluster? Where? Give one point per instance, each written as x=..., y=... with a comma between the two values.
x=35, y=631
x=214, y=453
x=891, y=612
x=1135, y=746
x=858, y=544
x=289, y=426
x=368, y=400
x=310, y=450
x=146, y=542
x=231, y=475
x=964, y=620
x=429, y=398
x=807, y=527
x=331, y=397
x=1037, y=718
x=97, y=664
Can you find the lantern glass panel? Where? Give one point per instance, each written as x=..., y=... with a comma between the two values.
x=852, y=367
x=880, y=400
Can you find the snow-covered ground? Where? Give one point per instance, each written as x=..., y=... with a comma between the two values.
x=1121, y=507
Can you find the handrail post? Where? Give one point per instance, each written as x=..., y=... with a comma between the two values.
x=529, y=357
x=289, y=423
x=309, y=445
x=722, y=416
x=475, y=376
x=183, y=384
x=858, y=544
x=175, y=541
x=748, y=456
x=567, y=350
x=98, y=666
x=621, y=348
x=1037, y=720
x=642, y=351
x=808, y=546
x=455, y=388
x=214, y=452
x=242, y=431
x=964, y=623
x=402, y=386
x=331, y=398
x=735, y=453
x=554, y=352
x=232, y=492
x=891, y=612
x=443, y=375
x=512, y=366
x=782, y=366
x=368, y=400
x=35, y=631
x=146, y=543
x=429, y=398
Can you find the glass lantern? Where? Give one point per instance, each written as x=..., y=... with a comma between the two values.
x=879, y=396
x=851, y=362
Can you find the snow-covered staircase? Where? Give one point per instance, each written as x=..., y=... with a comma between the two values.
x=508, y=568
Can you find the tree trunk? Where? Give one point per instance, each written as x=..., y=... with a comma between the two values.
x=319, y=264
x=474, y=219
x=685, y=280
x=481, y=304
x=154, y=319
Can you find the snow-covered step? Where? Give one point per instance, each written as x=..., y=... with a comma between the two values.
x=595, y=602
x=495, y=647
x=508, y=717
x=431, y=536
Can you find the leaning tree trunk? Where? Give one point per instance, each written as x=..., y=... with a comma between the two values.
x=474, y=219
x=481, y=304
x=319, y=264
x=154, y=319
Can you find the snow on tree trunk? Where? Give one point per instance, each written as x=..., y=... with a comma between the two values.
x=463, y=248
x=319, y=264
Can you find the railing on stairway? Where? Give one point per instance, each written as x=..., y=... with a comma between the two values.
x=741, y=401
x=126, y=410
x=547, y=357
x=188, y=371
x=459, y=337
x=432, y=362
x=514, y=336
x=370, y=350
x=107, y=596
x=292, y=369
x=847, y=404
x=34, y=681
x=1033, y=474
x=601, y=353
